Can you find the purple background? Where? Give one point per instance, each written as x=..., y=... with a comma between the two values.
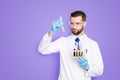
x=24, y=22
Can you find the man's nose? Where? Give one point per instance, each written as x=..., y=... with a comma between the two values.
x=74, y=25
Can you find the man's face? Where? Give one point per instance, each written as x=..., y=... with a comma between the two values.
x=77, y=25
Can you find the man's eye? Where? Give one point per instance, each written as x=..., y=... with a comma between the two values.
x=77, y=23
x=71, y=23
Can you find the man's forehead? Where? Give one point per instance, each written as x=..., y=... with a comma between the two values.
x=76, y=19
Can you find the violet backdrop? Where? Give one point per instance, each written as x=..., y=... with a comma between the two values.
x=24, y=22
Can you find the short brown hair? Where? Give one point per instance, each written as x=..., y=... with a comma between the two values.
x=79, y=13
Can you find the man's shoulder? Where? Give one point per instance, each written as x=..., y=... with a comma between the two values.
x=64, y=39
x=91, y=41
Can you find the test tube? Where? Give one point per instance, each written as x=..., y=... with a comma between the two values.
x=81, y=54
x=76, y=54
x=62, y=26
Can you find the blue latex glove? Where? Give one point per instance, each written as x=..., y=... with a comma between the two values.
x=56, y=25
x=83, y=62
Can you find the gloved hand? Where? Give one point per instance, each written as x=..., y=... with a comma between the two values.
x=83, y=62
x=55, y=26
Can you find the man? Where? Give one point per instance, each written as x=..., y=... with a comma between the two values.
x=80, y=56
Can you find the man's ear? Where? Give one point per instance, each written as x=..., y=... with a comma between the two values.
x=85, y=23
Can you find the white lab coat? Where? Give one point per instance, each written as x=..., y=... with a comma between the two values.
x=70, y=69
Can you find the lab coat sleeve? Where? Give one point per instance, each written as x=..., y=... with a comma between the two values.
x=96, y=64
x=48, y=47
